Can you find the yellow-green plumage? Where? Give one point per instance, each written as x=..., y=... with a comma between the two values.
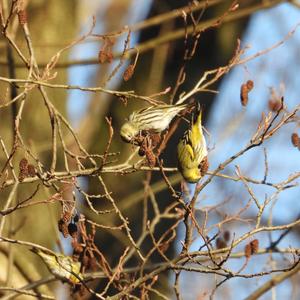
x=191, y=151
x=61, y=266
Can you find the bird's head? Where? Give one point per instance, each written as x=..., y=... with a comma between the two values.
x=191, y=175
x=128, y=131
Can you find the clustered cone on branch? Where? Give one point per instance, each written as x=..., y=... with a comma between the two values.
x=148, y=142
x=26, y=169
x=251, y=248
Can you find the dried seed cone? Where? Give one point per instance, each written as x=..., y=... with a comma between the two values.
x=250, y=85
x=102, y=57
x=155, y=139
x=128, y=72
x=220, y=243
x=245, y=90
x=295, y=139
x=274, y=105
x=67, y=216
x=31, y=170
x=151, y=159
x=63, y=227
x=248, y=251
x=226, y=235
x=204, y=165
x=23, y=164
x=22, y=15
x=254, y=246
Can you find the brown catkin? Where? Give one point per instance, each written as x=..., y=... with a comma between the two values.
x=23, y=164
x=245, y=90
x=250, y=85
x=150, y=158
x=128, y=72
x=22, y=15
x=67, y=216
x=248, y=251
x=251, y=248
x=220, y=243
x=155, y=139
x=226, y=235
x=63, y=226
x=274, y=105
x=204, y=165
x=102, y=56
x=254, y=246
x=295, y=139
x=31, y=170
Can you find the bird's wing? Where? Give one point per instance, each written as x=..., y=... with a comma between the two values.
x=186, y=152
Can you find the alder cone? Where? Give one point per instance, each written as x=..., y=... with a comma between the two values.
x=204, y=165
x=295, y=139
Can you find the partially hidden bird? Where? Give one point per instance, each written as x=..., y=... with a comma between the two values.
x=61, y=266
x=192, y=151
x=154, y=118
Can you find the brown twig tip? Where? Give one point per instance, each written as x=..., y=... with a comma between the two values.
x=128, y=72
x=295, y=139
x=245, y=90
x=22, y=15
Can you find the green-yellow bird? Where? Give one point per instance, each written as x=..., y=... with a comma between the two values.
x=192, y=151
x=61, y=266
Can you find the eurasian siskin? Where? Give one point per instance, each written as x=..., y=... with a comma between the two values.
x=192, y=151
x=61, y=266
x=153, y=118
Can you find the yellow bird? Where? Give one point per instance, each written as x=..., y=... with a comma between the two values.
x=61, y=266
x=192, y=151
